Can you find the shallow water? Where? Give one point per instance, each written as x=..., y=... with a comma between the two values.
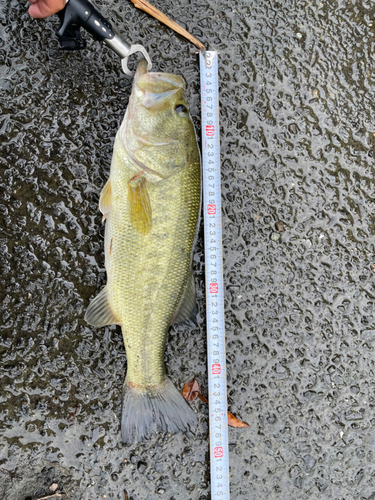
x=298, y=145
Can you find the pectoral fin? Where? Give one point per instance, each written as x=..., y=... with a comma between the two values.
x=139, y=204
x=99, y=312
x=105, y=199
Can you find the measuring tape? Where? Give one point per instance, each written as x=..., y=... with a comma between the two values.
x=217, y=376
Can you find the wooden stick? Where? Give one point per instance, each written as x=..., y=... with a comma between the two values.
x=55, y=495
x=147, y=7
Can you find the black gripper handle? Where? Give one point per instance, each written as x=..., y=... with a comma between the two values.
x=81, y=13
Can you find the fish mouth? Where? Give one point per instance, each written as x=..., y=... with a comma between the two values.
x=141, y=70
x=157, y=83
x=154, y=89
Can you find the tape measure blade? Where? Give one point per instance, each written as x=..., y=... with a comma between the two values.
x=219, y=452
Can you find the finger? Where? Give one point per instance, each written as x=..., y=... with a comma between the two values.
x=34, y=11
x=40, y=9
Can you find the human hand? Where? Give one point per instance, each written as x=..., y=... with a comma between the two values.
x=45, y=8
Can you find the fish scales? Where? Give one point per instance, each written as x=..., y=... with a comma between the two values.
x=151, y=205
x=159, y=262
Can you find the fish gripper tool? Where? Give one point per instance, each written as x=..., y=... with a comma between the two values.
x=81, y=13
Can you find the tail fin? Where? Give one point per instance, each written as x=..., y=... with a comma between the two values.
x=143, y=413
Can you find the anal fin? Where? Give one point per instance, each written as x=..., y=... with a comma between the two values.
x=99, y=312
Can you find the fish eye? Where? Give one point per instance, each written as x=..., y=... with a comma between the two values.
x=181, y=110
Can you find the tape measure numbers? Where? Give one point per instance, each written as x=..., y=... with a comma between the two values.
x=217, y=380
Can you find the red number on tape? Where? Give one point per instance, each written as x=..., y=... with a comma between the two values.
x=210, y=130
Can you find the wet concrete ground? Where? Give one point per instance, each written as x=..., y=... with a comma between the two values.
x=298, y=148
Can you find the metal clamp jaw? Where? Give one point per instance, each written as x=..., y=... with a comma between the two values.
x=79, y=13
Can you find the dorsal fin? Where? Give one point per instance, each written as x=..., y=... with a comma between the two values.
x=188, y=306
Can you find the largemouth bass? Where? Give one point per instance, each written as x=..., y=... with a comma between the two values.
x=151, y=206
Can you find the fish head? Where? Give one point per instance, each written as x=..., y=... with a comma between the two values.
x=159, y=132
